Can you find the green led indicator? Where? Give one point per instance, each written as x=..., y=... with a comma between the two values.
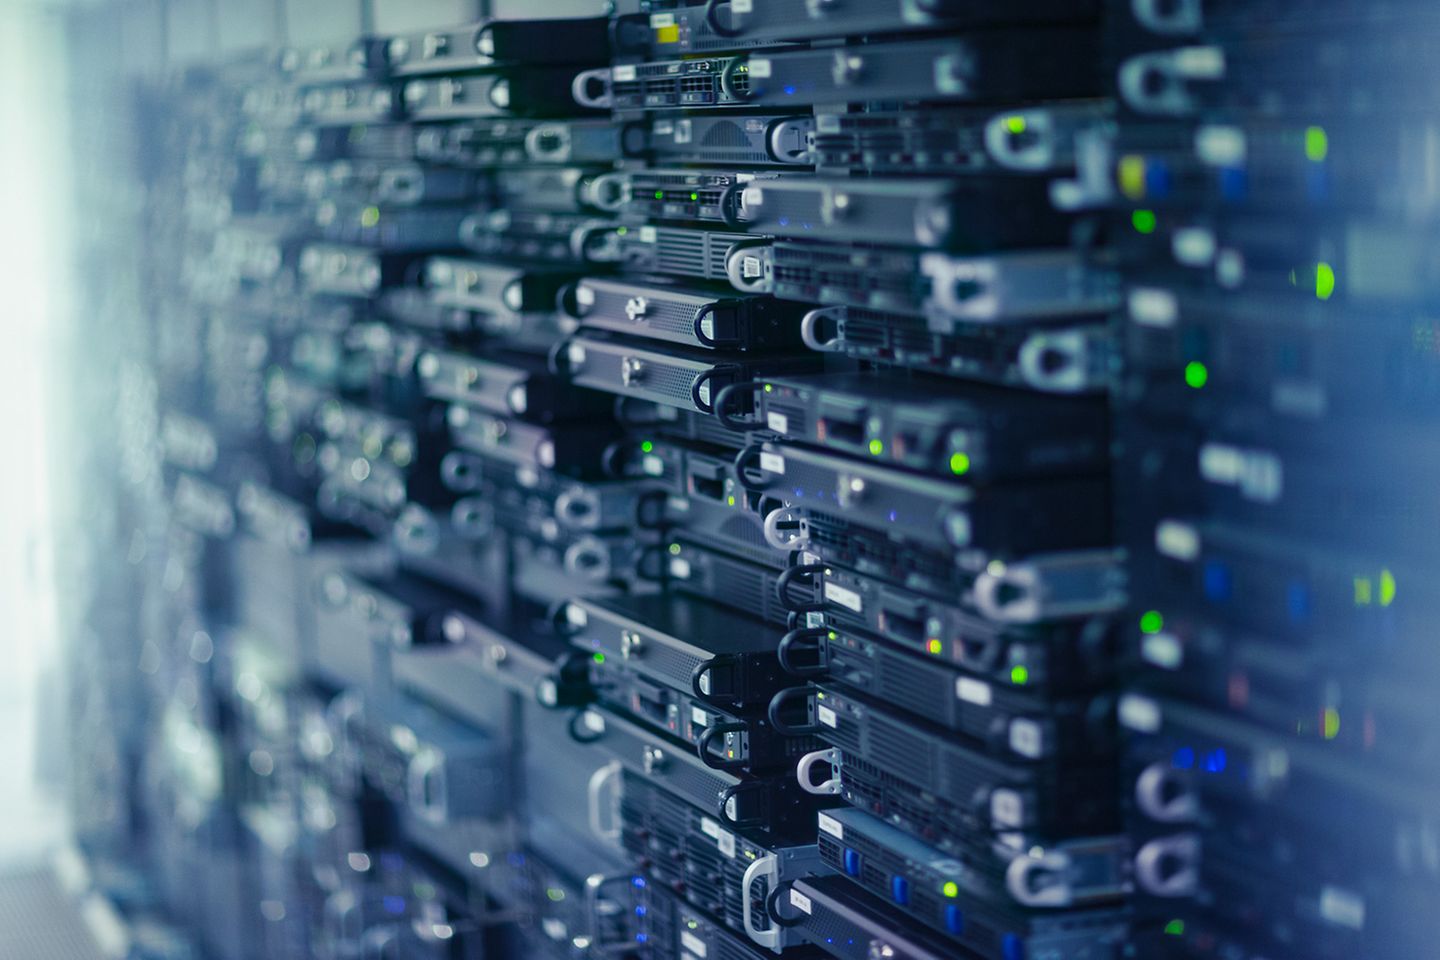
x=598, y=657
x=1317, y=144
x=1019, y=674
x=369, y=216
x=959, y=463
x=1151, y=621
x=646, y=446
x=1143, y=221
x=621, y=231
x=730, y=500
x=1015, y=124
x=659, y=194
x=674, y=549
x=951, y=889
x=768, y=388
x=694, y=196
x=1196, y=375
x=555, y=894
x=876, y=448
x=1175, y=928
x=1324, y=281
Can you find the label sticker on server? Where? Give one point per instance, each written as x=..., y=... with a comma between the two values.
x=830, y=825
x=659, y=20
x=799, y=901
x=844, y=596
x=772, y=463
x=777, y=422
x=826, y=716
x=693, y=943
x=759, y=67
x=973, y=691
x=623, y=72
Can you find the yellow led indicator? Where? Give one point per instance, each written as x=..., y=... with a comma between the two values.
x=1019, y=675
x=959, y=464
x=1132, y=176
x=951, y=889
x=1143, y=221
x=1330, y=723
x=934, y=646
x=1324, y=281
x=670, y=34
x=876, y=448
x=730, y=500
x=1317, y=144
x=369, y=216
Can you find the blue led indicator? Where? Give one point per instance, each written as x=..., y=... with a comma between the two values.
x=1012, y=947
x=638, y=882
x=1218, y=582
x=1183, y=759
x=394, y=904
x=784, y=221
x=1297, y=599
x=1215, y=761
x=789, y=89
x=954, y=920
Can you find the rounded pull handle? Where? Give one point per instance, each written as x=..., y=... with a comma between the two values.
x=828, y=787
x=703, y=743
x=767, y=868
x=604, y=781
x=810, y=329
x=425, y=785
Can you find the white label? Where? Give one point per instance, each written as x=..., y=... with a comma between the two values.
x=649, y=235
x=1220, y=146
x=710, y=828
x=623, y=72
x=772, y=463
x=973, y=691
x=726, y=843
x=680, y=568
x=759, y=66
x=1139, y=713
x=692, y=943
x=826, y=715
x=659, y=20
x=1162, y=650
x=1027, y=739
x=1342, y=908
x=742, y=6
x=1150, y=307
x=777, y=422
x=830, y=825
x=699, y=717
x=799, y=901
x=663, y=128
x=844, y=596
x=1178, y=540
x=653, y=466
